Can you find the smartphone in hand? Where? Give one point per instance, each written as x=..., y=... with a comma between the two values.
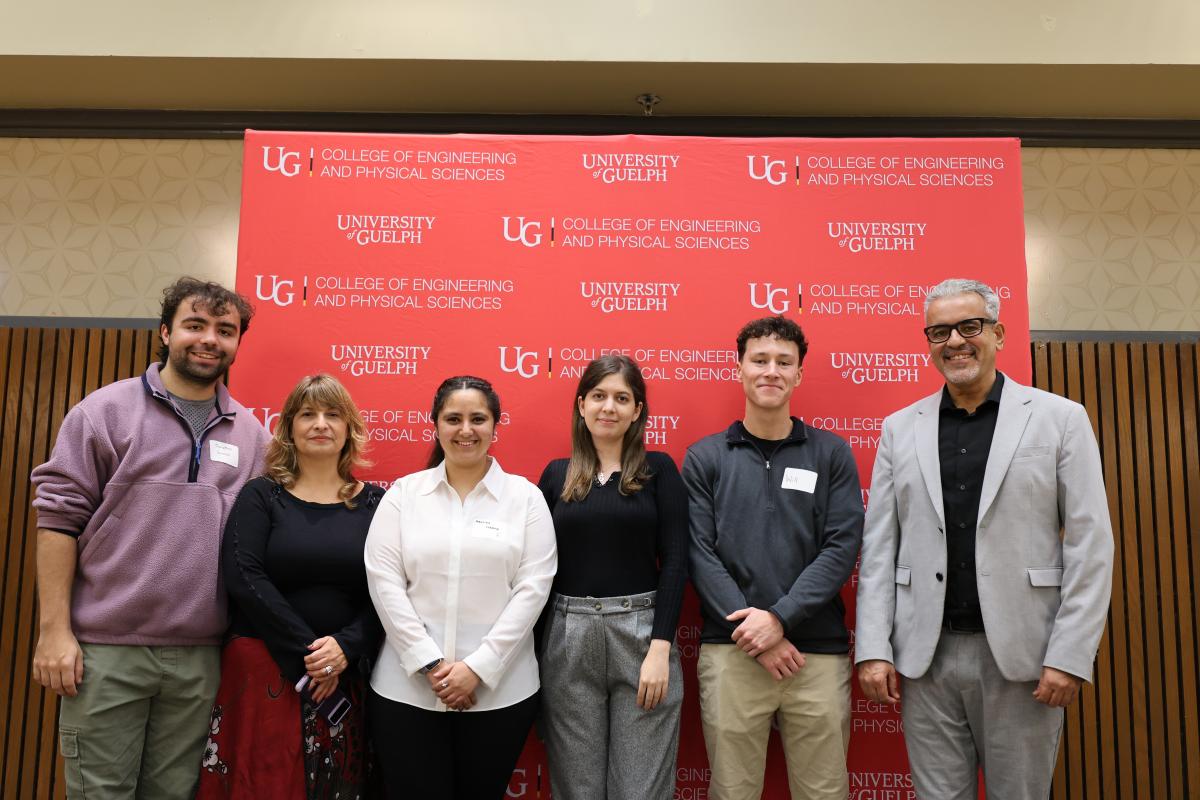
x=333, y=708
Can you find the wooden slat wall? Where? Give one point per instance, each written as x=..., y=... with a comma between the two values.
x=1135, y=733
x=43, y=372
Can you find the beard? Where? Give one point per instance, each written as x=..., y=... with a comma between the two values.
x=961, y=372
x=199, y=374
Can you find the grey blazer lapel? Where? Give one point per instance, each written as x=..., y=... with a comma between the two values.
x=1011, y=420
x=925, y=436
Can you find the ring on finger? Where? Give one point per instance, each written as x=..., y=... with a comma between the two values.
x=328, y=670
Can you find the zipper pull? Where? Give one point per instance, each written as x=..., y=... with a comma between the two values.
x=198, y=451
x=768, y=465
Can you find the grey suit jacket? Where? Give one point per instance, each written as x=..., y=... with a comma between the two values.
x=1043, y=548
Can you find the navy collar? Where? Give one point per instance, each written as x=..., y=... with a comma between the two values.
x=737, y=433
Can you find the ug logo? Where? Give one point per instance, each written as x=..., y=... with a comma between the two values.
x=773, y=170
x=276, y=287
x=287, y=162
x=768, y=296
x=518, y=785
x=265, y=416
x=524, y=362
x=527, y=233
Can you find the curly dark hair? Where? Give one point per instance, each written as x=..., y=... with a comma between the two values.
x=780, y=327
x=213, y=297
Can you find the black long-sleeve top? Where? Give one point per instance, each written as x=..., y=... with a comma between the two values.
x=294, y=570
x=610, y=544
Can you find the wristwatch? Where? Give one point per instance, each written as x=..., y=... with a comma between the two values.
x=431, y=665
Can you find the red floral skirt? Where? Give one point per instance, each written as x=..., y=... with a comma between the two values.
x=267, y=743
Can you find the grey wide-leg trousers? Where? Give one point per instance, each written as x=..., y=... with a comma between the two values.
x=601, y=746
x=962, y=715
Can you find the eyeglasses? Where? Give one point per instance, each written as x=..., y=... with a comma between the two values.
x=967, y=328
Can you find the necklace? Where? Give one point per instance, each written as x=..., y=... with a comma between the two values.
x=602, y=478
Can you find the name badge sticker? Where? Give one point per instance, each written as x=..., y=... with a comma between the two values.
x=223, y=451
x=800, y=480
x=486, y=528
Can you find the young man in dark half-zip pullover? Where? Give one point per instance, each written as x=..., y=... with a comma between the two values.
x=776, y=523
x=131, y=506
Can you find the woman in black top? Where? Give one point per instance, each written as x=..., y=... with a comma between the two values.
x=288, y=718
x=612, y=686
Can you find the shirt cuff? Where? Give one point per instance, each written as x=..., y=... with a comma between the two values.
x=419, y=655
x=486, y=665
x=59, y=526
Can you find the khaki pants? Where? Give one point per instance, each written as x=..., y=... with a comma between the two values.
x=738, y=699
x=138, y=726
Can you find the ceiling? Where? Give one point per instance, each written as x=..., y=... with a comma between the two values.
x=38, y=90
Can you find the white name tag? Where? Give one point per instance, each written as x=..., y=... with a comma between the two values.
x=223, y=451
x=801, y=480
x=486, y=528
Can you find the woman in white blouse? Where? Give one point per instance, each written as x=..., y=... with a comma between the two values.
x=460, y=558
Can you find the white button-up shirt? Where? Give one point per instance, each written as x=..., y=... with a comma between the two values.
x=460, y=580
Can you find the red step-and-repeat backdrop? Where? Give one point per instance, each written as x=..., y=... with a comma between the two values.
x=393, y=262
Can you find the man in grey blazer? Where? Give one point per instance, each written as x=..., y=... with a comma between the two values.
x=986, y=564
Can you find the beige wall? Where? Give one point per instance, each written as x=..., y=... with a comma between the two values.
x=1112, y=238
x=685, y=31
x=97, y=227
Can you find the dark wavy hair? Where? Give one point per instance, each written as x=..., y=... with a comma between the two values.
x=457, y=384
x=584, y=460
x=779, y=326
x=318, y=391
x=213, y=297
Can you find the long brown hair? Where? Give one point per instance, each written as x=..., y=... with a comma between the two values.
x=318, y=391
x=584, y=460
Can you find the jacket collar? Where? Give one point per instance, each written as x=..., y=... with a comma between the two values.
x=152, y=382
x=1015, y=411
x=1011, y=419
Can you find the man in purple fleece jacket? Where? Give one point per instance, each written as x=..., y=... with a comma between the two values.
x=131, y=507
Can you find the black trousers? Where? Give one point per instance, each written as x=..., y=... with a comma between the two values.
x=446, y=754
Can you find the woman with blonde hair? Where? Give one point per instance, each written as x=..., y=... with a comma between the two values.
x=612, y=685
x=288, y=721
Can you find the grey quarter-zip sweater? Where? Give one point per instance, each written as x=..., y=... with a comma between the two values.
x=780, y=534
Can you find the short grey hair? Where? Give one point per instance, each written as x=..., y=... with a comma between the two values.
x=956, y=286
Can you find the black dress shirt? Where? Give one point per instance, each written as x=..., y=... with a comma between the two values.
x=964, y=440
